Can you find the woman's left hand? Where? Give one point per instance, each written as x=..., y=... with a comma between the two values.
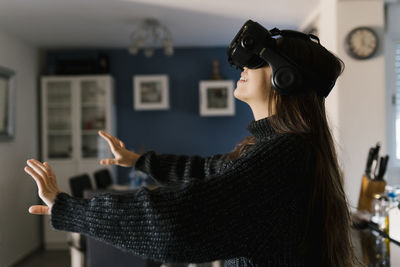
x=46, y=183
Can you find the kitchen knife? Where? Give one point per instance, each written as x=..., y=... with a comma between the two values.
x=383, y=167
x=377, y=175
x=369, y=161
x=375, y=158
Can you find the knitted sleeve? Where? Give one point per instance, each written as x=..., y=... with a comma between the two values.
x=169, y=169
x=222, y=216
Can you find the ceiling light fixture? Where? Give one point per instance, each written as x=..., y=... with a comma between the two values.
x=149, y=35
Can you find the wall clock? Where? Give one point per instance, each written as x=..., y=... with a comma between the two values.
x=361, y=43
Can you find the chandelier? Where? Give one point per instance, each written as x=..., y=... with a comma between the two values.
x=149, y=35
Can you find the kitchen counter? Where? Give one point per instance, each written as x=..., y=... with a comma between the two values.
x=374, y=250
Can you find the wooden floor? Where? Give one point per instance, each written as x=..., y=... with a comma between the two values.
x=47, y=258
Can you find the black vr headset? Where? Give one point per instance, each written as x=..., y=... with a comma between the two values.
x=254, y=47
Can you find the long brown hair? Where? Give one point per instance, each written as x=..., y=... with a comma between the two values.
x=305, y=114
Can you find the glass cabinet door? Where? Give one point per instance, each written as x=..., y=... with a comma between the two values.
x=93, y=117
x=59, y=119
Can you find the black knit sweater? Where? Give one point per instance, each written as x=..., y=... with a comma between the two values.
x=249, y=211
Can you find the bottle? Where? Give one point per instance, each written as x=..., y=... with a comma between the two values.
x=379, y=212
x=394, y=214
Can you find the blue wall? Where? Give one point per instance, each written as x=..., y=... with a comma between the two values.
x=179, y=130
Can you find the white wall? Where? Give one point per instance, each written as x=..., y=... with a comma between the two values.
x=19, y=233
x=357, y=104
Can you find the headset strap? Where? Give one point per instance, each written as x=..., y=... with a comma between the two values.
x=295, y=34
x=322, y=88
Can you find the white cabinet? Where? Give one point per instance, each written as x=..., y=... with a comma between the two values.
x=74, y=109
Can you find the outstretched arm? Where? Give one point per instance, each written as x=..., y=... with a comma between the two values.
x=170, y=169
x=220, y=217
x=167, y=169
x=201, y=221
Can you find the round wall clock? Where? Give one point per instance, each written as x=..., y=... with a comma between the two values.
x=361, y=42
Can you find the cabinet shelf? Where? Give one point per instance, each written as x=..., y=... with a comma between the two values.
x=59, y=132
x=92, y=105
x=59, y=105
x=91, y=132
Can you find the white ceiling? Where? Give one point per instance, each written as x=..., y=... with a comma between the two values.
x=109, y=23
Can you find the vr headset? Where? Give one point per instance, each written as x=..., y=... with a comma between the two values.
x=254, y=47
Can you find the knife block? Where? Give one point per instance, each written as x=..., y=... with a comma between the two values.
x=367, y=191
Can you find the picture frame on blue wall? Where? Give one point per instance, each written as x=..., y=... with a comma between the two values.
x=216, y=98
x=151, y=92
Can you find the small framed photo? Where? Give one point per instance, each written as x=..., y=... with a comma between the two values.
x=151, y=92
x=7, y=104
x=216, y=98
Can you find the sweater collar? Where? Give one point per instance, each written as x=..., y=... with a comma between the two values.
x=261, y=128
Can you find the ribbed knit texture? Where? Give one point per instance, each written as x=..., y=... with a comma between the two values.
x=249, y=212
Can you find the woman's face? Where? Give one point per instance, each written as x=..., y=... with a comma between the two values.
x=254, y=85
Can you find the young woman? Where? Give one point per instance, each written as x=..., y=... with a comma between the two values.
x=276, y=200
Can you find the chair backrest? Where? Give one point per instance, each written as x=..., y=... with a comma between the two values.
x=102, y=178
x=79, y=184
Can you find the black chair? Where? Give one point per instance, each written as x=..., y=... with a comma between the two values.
x=102, y=178
x=78, y=184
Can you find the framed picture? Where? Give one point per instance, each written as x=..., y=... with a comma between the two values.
x=151, y=92
x=216, y=98
x=7, y=102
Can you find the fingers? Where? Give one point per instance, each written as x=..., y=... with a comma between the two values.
x=39, y=168
x=106, y=135
x=49, y=170
x=108, y=162
x=113, y=139
x=43, y=175
x=40, y=210
x=109, y=139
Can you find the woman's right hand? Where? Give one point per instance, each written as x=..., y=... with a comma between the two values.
x=123, y=157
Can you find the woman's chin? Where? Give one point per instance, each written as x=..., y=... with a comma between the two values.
x=236, y=94
x=239, y=96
